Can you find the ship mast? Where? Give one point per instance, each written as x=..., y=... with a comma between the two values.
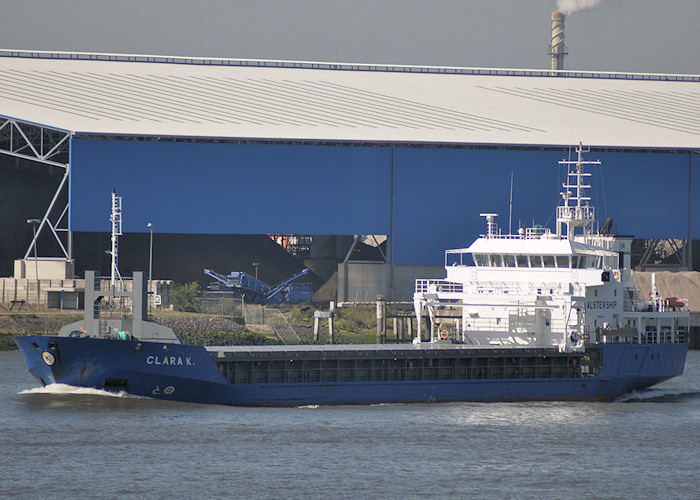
x=116, y=219
x=575, y=212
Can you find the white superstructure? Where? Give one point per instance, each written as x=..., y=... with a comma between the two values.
x=539, y=288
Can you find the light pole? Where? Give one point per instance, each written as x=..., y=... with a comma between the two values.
x=256, y=265
x=34, y=222
x=150, y=265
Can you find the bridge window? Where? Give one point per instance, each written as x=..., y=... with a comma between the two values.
x=548, y=260
x=509, y=260
x=563, y=261
x=522, y=260
x=481, y=260
x=454, y=259
x=535, y=261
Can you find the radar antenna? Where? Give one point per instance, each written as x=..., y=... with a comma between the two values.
x=491, y=225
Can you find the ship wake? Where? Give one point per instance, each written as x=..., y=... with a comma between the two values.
x=71, y=390
x=660, y=395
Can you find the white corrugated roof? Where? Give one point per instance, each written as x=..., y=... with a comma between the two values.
x=161, y=96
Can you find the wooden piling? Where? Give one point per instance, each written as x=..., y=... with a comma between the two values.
x=381, y=321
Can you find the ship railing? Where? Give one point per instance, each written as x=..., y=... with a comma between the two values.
x=577, y=213
x=521, y=323
x=529, y=288
x=537, y=232
x=507, y=290
x=438, y=286
x=598, y=240
x=663, y=336
x=545, y=288
x=500, y=236
x=496, y=288
x=531, y=233
x=660, y=304
x=629, y=335
x=482, y=324
x=622, y=335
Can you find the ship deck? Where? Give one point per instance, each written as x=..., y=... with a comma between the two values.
x=424, y=348
x=375, y=363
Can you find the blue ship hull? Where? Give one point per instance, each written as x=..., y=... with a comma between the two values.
x=189, y=373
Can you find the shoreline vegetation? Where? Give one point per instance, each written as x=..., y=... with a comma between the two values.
x=352, y=325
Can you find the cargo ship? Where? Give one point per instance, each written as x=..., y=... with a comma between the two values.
x=535, y=315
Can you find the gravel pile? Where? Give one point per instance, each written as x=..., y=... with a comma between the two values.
x=203, y=324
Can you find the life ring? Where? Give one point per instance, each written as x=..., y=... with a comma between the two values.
x=444, y=334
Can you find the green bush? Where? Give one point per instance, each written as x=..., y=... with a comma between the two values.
x=187, y=297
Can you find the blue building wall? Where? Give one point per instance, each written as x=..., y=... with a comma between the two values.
x=437, y=193
x=206, y=188
x=440, y=193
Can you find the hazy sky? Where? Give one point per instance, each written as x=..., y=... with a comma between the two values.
x=659, y=36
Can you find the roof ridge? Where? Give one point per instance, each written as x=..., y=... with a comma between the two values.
x=269, y=63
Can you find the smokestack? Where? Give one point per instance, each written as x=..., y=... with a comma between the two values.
x=557, y=50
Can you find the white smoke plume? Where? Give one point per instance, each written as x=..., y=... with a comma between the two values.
x=568, y=7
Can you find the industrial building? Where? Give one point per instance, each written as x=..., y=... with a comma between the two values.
x=404, y=155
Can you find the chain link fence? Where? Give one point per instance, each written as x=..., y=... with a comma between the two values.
x=223, y=303
x=259, y=315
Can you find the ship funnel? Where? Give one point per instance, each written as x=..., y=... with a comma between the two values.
x=557, y=49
